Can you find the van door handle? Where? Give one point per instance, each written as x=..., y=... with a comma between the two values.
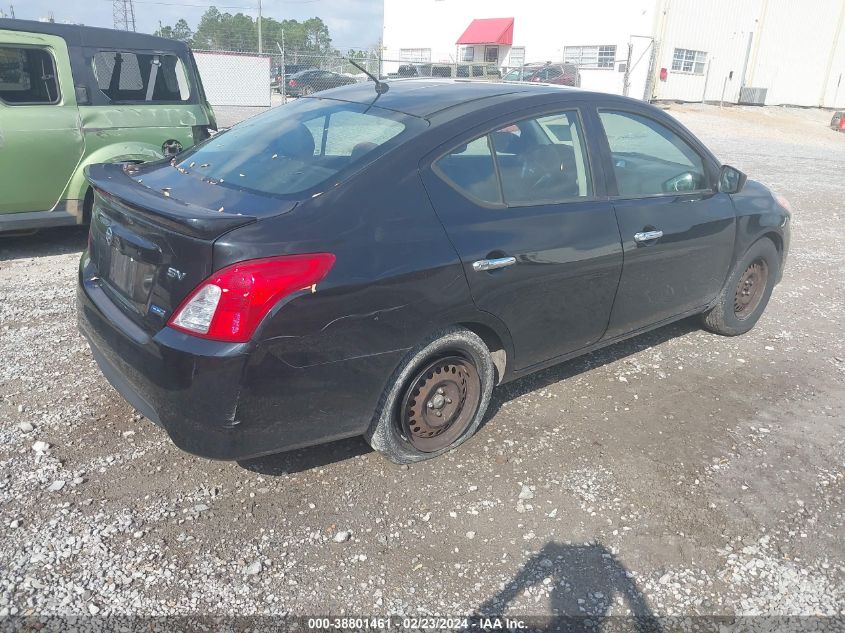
x=647, y=236
x=493, y=264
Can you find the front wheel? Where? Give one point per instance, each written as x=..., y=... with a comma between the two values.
x=435, y=400
x=747, y=291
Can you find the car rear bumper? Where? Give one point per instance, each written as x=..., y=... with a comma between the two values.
x=228, y=401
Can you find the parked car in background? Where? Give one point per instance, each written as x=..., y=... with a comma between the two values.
x=287, y=71
x=307, y=82
x=558, y=74
x=422, y=70
x=71, y=96
x=838, y=121
x=372, y=264
x=478, y=71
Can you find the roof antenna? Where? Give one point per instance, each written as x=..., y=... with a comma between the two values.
x=381, y=87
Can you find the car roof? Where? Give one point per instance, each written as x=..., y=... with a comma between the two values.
x=423, y=97
x=79, y=35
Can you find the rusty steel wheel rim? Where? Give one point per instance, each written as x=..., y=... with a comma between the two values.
x=440, y=403
x=750, y=289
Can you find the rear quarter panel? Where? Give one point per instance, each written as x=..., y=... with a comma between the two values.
x=396, y=280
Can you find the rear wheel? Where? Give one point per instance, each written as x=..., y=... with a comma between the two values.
x=436, y=399
x=747, y=291
x=307, y=90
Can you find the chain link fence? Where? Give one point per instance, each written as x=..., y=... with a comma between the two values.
x=242, y=84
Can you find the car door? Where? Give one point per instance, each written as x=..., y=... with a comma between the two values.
x=40, y=139
x=677, y=230
x=525, y=209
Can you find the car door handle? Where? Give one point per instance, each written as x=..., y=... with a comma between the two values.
x=647, y=236
x=493, y=264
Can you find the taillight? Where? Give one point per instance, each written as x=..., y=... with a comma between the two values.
x=842, y=123
x=229, y=305
x=292, y=83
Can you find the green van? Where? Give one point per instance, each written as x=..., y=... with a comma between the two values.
x=71, y=96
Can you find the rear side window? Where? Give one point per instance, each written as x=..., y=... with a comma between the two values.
x=542, y=160
x=296, y=147
x=27, y=76
x=537, y=161
x=649, y=158
x=470, y=169
x=141, y=77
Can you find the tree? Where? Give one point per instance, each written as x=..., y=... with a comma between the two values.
x=180, y=31
x=239, y=32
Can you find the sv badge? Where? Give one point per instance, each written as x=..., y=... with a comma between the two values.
x=178, y=275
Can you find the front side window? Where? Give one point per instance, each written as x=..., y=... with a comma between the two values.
x=687, y=61
x=298, y=146
x=141, y=77
x=542, y=160
x=27, y=76
x=649, y=158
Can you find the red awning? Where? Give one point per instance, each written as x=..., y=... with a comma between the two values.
x=488, y=31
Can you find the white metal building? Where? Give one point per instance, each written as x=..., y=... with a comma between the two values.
x=753, y=51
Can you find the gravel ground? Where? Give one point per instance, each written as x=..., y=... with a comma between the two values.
x=677, y=473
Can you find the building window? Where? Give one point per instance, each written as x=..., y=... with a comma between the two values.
x=590, y=56
x=491, y=54
x=419, y=55
x=469, y=53
x=517, y=56
x=687, y=61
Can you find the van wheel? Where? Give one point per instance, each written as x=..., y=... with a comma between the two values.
x=435, y=400
x=747, y=291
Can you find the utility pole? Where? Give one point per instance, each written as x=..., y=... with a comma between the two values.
x=260, y=43
x=12, y=11
x=123, y=14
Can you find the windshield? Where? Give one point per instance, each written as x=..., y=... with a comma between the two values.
x=299, y=146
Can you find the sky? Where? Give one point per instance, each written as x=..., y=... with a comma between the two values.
x=352, y=23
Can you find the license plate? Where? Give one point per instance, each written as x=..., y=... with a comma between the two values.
x=132, y=278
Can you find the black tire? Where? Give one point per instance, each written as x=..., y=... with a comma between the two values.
x=87, y=206
x=746, y=292
x=392, y=431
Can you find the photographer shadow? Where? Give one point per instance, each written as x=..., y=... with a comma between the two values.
x=591, y=590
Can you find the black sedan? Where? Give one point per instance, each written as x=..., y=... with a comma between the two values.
x=307, y=82
x=373, y=264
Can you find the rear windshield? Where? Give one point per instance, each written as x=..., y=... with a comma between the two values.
x=298, y=146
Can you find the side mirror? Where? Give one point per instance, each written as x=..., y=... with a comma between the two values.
x=731, y=180
x=82, y=96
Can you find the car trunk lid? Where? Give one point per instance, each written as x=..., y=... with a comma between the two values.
x=149, y=246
